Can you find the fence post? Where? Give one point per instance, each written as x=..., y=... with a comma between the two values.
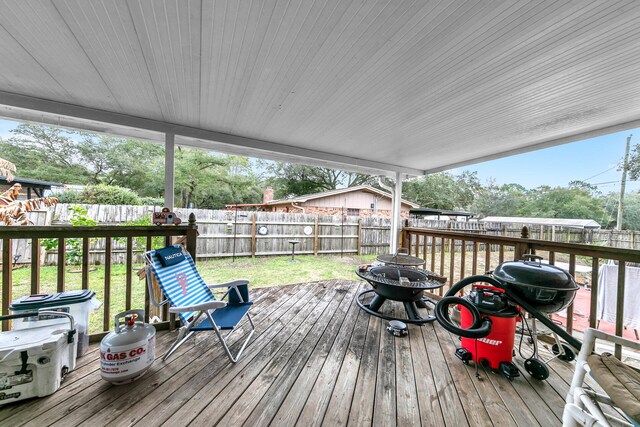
x=192, y=236
x=253, y=235
x=359, y=236
x=315, y=237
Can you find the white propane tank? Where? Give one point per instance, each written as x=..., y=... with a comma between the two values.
x=127, y=352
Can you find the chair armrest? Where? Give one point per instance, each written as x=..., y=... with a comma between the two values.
x=591, y=335
x=209, y=305
x=231, y=284
x=635, y=345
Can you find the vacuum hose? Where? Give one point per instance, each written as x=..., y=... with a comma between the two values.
x=481, y=326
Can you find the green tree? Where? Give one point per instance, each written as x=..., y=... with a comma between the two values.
x=52, y=154
x=443, y=190
x=290, y=179
x=45, y=153
x=630, y=212
x=209, y=180
x=500, y=200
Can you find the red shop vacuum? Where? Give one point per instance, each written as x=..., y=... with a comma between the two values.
x=494, y=350
x=491, y=310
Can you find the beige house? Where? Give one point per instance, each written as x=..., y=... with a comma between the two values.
x=362, y=200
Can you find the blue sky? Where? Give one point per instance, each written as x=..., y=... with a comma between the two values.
x=593, y=160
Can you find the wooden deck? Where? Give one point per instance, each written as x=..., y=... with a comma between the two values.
x=316, y=359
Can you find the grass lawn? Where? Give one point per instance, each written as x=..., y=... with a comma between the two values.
x=262, y=272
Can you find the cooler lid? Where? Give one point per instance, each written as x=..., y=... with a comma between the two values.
x=31, y=339
x=34, y=302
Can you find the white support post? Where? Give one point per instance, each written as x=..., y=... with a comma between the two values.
x=396, y=197
x=169, y=173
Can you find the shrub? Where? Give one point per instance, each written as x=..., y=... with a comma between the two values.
x=73, y=247
x=108, y=195
x=152, y=201
x=139, y=243
x=67, y=196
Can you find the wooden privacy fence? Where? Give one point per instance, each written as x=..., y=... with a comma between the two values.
x=225, y=233
x=243, y=234
x=473, y=253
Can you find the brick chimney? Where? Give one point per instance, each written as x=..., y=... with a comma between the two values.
x=267, y=196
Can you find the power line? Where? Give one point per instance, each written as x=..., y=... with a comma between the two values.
x=598, y=174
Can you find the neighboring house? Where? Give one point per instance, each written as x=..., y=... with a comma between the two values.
x=557, y=222
x=31, y=188
x=362, y=200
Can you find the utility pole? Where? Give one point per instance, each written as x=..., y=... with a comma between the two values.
x=623, y=184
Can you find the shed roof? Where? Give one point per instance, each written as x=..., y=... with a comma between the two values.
x=564, y=222
x=33, y=183
x=370, y=86
x=430, y=211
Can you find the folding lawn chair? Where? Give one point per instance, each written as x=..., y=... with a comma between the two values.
x=175, y=273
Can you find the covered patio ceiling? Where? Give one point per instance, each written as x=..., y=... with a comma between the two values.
x=382, y=87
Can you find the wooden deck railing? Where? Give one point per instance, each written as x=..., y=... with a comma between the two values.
x=130, y=233
x=458, y=255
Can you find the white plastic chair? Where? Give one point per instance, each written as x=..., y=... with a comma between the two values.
x=583, y=405
x=174, y=271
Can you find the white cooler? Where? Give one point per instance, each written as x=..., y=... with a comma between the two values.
x=33, y=362
x=76, y=303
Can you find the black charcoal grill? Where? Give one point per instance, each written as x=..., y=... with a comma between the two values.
x=398, y=283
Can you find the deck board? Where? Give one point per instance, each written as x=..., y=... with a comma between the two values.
x=315, y=359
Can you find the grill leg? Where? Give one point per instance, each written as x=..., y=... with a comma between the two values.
x=376, y=302
x=412, y=310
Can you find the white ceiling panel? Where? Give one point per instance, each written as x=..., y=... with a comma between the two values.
x=409, y=86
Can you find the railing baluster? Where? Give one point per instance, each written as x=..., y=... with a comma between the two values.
x=106, y=321
x=572, y=272
x=129, y=273
x=620, y=306
x=501, y=254
x=552, y=257
x=424, y=251
x=62, y=261
x=440, y=291
x=147, y=301
x=487, y=257
x=7, y=284
x=85, y=263
x=35, y=266
x=165, y=308
x=463, y=258
x=474, y=262
x=433, y=254
x=452, y=262
x=593, y=303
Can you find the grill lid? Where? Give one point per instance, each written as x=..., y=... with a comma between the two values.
x=532, y=273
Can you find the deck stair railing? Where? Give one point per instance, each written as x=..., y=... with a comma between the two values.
x=132, y=235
